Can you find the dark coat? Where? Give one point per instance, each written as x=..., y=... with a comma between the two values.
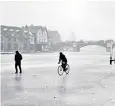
x=18, y=58
x=62, y=58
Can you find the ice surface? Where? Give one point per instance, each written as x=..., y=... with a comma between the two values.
x=91, y=81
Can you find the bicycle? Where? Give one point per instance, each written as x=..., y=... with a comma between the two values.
x=61, y=70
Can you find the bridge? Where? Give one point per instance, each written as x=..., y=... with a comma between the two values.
x=77, y=45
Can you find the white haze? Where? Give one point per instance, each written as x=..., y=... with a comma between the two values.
x=89, y=20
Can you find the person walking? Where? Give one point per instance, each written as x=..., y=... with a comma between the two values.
x=18, y=58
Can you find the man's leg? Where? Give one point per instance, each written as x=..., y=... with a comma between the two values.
x=110, y=62
x=16, y=68
x=63, y=66
x=20, y=68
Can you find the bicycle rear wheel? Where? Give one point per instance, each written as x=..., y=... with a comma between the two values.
x=67, y=69
x=60, y=70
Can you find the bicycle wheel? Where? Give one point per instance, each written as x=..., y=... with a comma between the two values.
x=67, y=69
x=60, y=70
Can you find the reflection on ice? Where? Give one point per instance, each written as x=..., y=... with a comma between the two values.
x=62, y=80
x=18, y=85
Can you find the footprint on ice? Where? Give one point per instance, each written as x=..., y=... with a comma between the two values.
x=93, y=98
x=105, y=86
x=25, y=92
x=113, y=101
x=34, y=75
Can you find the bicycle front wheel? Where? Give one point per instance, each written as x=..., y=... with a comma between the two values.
x=60, y=70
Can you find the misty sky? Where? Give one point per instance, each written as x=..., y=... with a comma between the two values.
x=89, y=20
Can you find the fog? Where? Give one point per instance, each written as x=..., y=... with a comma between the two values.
x=88, y=20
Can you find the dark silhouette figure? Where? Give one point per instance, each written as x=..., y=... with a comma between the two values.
x=18, y=58
x=63, y=60
x=110, y=60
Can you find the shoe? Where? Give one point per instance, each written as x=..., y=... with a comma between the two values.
x=16, y=72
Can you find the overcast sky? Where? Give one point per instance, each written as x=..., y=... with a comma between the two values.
x=87, y=20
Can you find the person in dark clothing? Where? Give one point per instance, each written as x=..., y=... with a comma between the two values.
x=111, y=60
x=18, y=58
x=63, y=60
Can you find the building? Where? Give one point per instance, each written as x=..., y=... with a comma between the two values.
x=40, y=37
x=5, y=39
x=54, y=40
x=54, y=37
x=31, y=38
x=27, y=38
x=4, y=44
x=11, y=38
x=44, y=40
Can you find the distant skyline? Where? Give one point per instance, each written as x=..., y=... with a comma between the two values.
x=88, y=20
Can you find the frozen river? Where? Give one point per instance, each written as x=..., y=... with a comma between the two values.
x=91, y=81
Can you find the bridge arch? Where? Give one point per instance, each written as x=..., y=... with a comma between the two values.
x=93, y=48
x=92, y=45
x=81, y=45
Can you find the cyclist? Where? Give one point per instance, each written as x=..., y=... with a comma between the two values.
x=63, y=60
